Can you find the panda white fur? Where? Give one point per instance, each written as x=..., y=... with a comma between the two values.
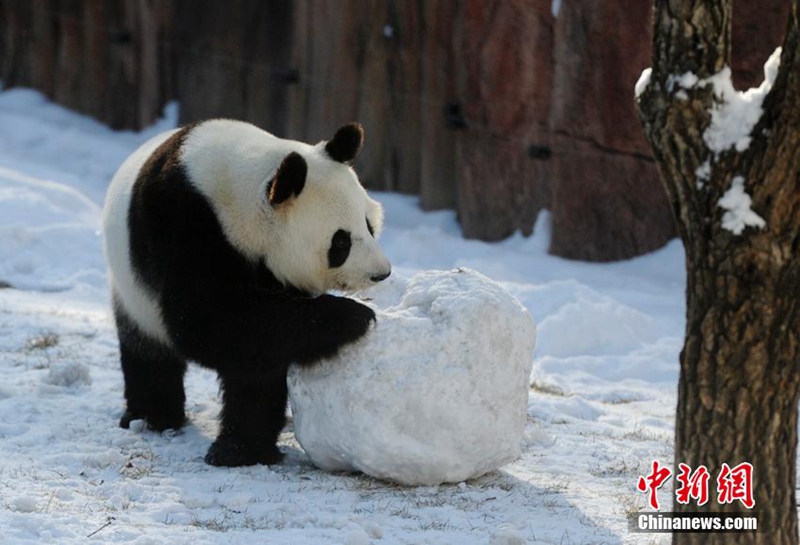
x=222, y=241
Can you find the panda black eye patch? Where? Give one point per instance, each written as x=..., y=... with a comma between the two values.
x=340, y=249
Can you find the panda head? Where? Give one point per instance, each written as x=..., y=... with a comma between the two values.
x=326, y=225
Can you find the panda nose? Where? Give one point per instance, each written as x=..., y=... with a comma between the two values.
x=379, y=277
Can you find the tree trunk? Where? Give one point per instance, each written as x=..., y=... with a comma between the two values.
x=740, y=380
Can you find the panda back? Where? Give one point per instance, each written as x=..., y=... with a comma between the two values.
x=140, y=305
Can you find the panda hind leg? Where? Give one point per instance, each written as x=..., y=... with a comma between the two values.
x=153, y=376
x=253, y=415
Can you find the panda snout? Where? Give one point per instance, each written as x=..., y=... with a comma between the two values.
x=380, y=277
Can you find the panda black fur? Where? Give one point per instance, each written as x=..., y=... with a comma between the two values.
x=221, y=241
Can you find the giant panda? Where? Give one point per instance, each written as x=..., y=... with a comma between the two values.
x=222, y=242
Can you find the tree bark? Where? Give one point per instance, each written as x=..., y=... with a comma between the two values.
x=740, y=380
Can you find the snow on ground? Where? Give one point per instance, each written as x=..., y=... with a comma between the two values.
x=600, y=407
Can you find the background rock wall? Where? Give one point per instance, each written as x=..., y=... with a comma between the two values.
x=495, y=108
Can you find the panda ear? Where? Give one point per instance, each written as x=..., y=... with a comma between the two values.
x=289, y=180
x=346, y=143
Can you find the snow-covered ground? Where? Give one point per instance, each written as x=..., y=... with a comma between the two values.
x=600, y=409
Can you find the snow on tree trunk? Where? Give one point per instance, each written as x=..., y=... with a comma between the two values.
x=437, y=392
x=730, y=167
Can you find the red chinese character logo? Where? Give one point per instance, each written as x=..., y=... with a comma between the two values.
x=736, y=484
x=654, y=481
x=692, y=484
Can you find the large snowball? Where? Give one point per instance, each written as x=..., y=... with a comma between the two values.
x=437, y=392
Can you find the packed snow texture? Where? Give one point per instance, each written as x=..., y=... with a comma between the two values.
x=735, y=113
x=600, y=408
x=436, y=393
x=738, y=214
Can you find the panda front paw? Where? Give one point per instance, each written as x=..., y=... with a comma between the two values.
x=337, y=321
x=347, y=320
x=361, y=317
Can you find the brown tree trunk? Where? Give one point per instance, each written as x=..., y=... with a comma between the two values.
x=740, y=380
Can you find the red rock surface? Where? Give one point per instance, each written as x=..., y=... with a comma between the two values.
x=758, y=28
x=607, y=201
x=505, y=87
x=517, y=76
